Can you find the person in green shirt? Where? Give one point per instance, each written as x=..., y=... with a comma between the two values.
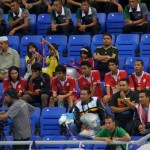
x=111, y=133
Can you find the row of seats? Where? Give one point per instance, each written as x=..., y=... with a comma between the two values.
x=127, y=44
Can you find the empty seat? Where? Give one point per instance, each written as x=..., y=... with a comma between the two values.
x=102, y=21
x=74, y=19
x=33, y=23
x=22, y=66
x=127, y=44
x=6, y=20
x=14, y=42
x=114, y=23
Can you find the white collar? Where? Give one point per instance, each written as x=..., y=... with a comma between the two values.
x=20, y=13
x=62, y=12
x=89, y=12
x=137, y=9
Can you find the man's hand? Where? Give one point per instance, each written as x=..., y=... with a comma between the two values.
x=141, y=128
x=29, y=93
x=120, y=9
x=122, y=95
x=106, y=99
x=12, y=32
x=29, y=6
x=60, y=97
x=24, y=14
x=82, y=28
x=54, y=27
x=34, y=75
x=109, y=141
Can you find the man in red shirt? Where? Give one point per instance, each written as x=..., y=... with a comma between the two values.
x=139, y=80
x=90, y=78
x=63, y=88
x=112, y=79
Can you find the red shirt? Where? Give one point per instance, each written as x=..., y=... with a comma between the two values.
x=113, y=80
x=64, y=87
x=88, y=82
x=89, y=59
x=142, y=82
x=19, y=85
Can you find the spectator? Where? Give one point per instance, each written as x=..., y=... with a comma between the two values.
x=8, y=57
x=87, y=20
x=19, y=112
x=104, y=53
x=94, y=106
x=90, y=78
x=52, y=60
x=32, y=57
x=135, y=15
x=5, y=5
x=142, y=115
x=18, y=19
x=139, y=80
x=61, y=20
x=123, y=104
x=111, y=133
x=38, y=86
x=112, y=79
x=146, y=2
x=63, y=88
x=14, y=81
x=2, y=22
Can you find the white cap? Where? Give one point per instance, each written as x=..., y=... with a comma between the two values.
x=3, y=38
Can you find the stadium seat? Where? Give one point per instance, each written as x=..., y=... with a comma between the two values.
x=134, y=138
x=97, y=40
x=60, y=40
x=99, y=146
x=1, y=94
x=72, y=72
x=102, y=20
x=49, y=120
x=129, y=64
x=54, y=146
x=103, y=87
x=109, y=111
x=114, y=23
x=35, y=138
x=76, y=42
x=33, y=23
x=22, y=66
x=74, y=19
x=43, y=23
x=25, y=40
x=6, y=20
x=66, y=60
x=148, y=16
x=14, y=42
x=121, y=63
x=145, y=45
x=9, y=138
x=127, y=44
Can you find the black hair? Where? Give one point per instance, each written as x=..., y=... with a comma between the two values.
x=125, y=79
x=86, y=63
x=54, y=45
x=12, y=93
x=61, y=68
x=60, y=1
x=86, y=1
x=107, y=34
x=17, y=1
x=36, y=67
x=146, y=92
x=33, y=45
x=87, y=89
x=142, y=62
x=9, y=72
x=110, y=117
x=86, y=50
x=113, y=60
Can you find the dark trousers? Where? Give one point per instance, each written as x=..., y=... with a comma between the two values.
x=128, y=125
x=21, y=147
x=129, y=29
x=2, y=30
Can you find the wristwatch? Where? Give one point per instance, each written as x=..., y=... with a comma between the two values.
x=125, y=98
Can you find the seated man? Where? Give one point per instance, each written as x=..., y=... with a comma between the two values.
x=111, y=133
x=142, y=114
x=5, y=5
x=90, y=78
x=8, y=57
x=139, y=80
x=2, y=22
x=18, y=19
x=38, y=86
x=87, y=104
x=112, y=79
x=63, y=88
x=87, y=20
x=61, y=20
x=135, y=15
x=123, y=104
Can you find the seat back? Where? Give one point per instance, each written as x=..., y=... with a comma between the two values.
x=33, y=23
x=102, y=21
x=14, y=42
x=74, y=19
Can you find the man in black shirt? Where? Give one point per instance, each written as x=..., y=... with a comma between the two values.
x=104, y=53
x=123, y=104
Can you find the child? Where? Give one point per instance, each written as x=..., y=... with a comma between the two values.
x=31, y=57
x=53, y=59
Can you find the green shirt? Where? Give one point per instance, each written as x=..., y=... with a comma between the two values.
x=119, y=132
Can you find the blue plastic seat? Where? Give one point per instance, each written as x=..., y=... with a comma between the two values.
x=1, y=94
x=35, y=138
x=109, y=110
x=145, y=45
x=74, y=19
x=97, y=40
x=6, y=20
x=121, y=63
x=134, y=138
x=148, y=16
x=25, y=40
x=103, y=87
x=99, y=146
x=43, y=23
x=102, y=21
x=114, y=23
x=33, y=23
x=49, y=120
x=60, y=40
x=129, y=64
x=76, y=42
x=22, y=66
x=14, y=42
x=127, y=44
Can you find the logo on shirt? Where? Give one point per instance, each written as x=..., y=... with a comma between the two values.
x=67, y=84
x=19, y=86
x=144, y=80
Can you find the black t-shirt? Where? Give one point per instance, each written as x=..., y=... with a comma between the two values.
x=117, y=102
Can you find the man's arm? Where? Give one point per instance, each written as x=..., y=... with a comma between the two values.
x=93, y=23
x=120, y=9
x=3, y=117
x=102, y=58
x=126, y=137
x=73, y=2
x=118, y=110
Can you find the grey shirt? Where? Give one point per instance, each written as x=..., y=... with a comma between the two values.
x=19, y=112
x=1, y=14
x=11, y=58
